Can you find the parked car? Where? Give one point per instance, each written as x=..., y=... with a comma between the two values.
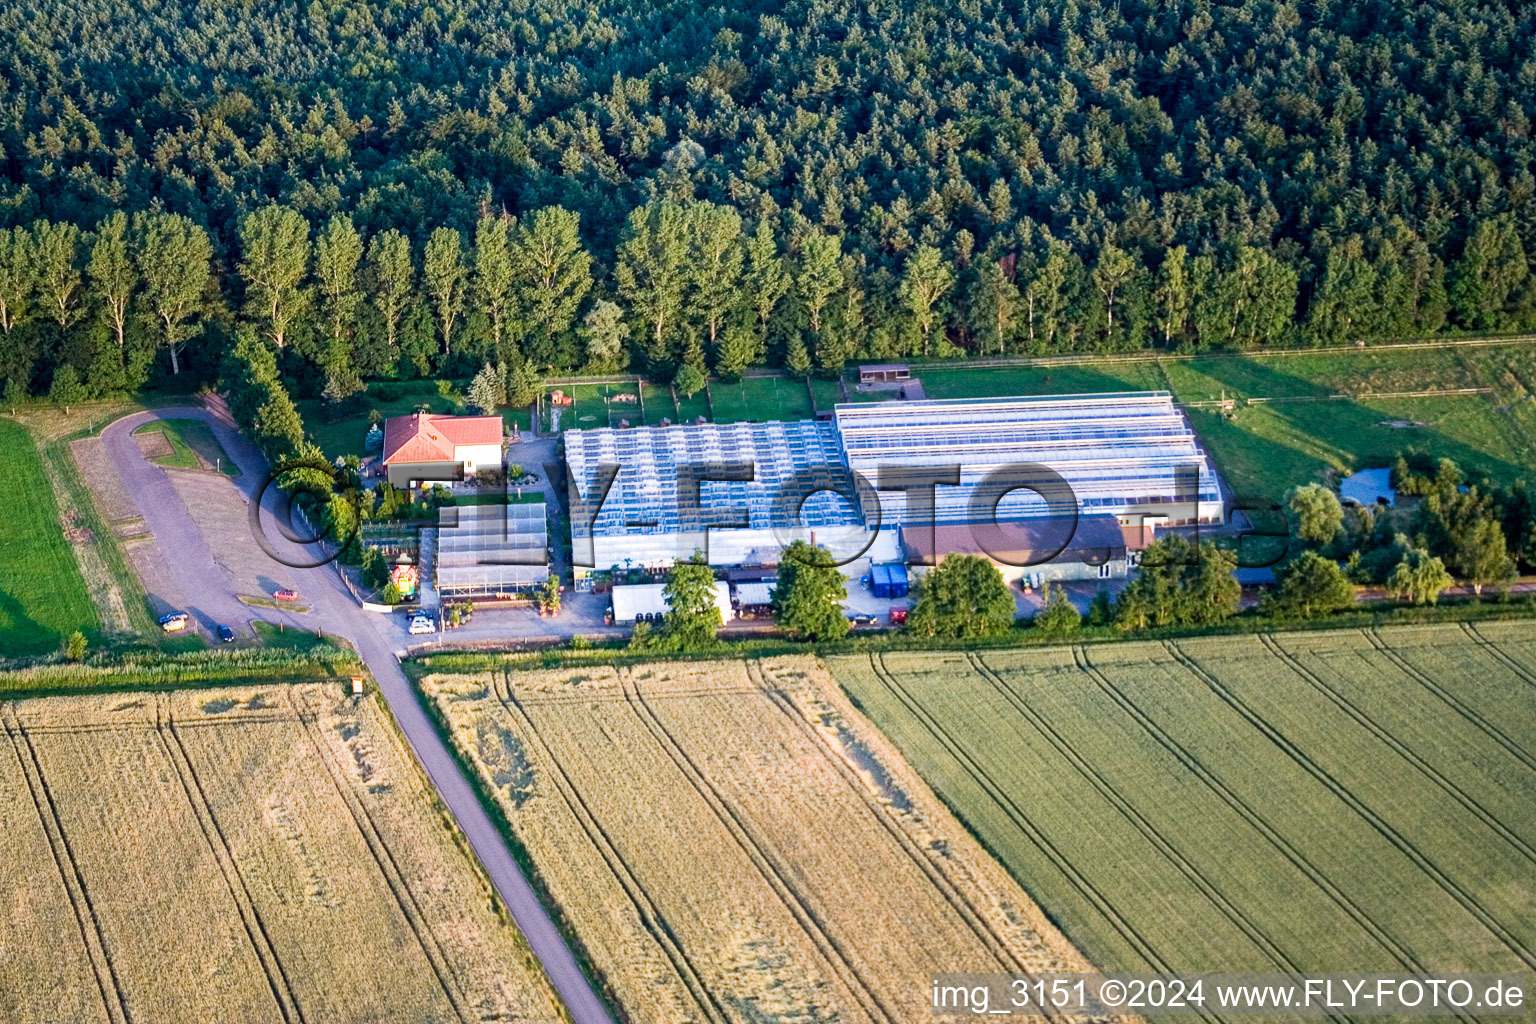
x=174, y=622
x=862, y=619
x=898, y=616
x=226, y=635
x=285, y=594
x=422, y=624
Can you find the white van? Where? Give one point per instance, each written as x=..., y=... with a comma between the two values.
x=422, y=624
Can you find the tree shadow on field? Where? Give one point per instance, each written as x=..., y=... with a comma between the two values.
x=19, y=632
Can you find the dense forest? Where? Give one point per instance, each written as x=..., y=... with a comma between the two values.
x=375, y=188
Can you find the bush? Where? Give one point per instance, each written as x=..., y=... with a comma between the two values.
x=1057, y=617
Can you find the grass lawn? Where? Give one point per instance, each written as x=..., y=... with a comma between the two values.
x=193, y=445
x=1266, y=449
x=345, y=436
x=42, y=594
x=759, y=399
x=690, y=409
x=290, y=639
x=657, y=400
x=984, y=382
x=827, y=393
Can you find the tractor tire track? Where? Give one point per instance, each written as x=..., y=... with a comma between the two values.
x=1150, y=832
x=772, y=873
x=1085, y=888
x=1429, y=771
x=1343, y=793
x=250, y=918
x=941, y=881
x=107, y=981
x=1498, y=653
x=1289, y=851
x=1493, y=732
x=651, y=918
x=394, y=878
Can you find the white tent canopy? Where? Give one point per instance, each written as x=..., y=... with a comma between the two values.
x=631, y=600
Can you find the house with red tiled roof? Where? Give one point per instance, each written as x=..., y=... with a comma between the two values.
x=422, y=439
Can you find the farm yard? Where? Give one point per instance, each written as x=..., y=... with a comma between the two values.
x=1294, y=802
x=820, y=879
x=260, y=853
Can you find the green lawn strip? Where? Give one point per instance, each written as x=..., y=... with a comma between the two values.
x=1005, y=382
x=303, y=641
x=147, y=670
x=657, y=400
x=827, y=393
x=690, y=409
x=193, y=446
x=43, y=597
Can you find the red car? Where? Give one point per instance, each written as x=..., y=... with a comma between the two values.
x=898, y=616
x=285, y=594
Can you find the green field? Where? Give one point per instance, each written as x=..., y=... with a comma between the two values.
x=1312, y=801
x=193, y=446
x=759, y=399
x=42, y=595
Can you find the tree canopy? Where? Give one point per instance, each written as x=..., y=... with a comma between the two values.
x=962, y=598
x=809, y=593
x=799, y=183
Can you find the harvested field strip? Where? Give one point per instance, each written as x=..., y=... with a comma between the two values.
x=990, y=810
x=1402, y=843
x=1423, y=732
x=645, y=912
x=403, y=897
x=819, y=875
x=218, y=845
x=836, y=959
x=1140, y=822
x=78, y=1001
x=1211, y=889
x=1466, y=710
x=1291, y=852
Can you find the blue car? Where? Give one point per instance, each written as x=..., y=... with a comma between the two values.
x=226, y=635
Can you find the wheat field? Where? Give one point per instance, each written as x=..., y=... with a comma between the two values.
x=1297, y=802
x=732, y=841
x=263, y=854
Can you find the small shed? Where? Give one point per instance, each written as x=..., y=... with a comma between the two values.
x=884, y=373
x=754, y=600
x=888, y=580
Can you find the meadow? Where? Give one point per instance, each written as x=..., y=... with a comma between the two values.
x=731, y=841
x=259, y=853
x=1295, y=802
x=43, y=596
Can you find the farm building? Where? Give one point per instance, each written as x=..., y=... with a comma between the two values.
x=491, y=550
x=435, y=444
x=1055, y=547
x=643, y=522
x=1131, y=455
x=649, y=599
x=885, y=373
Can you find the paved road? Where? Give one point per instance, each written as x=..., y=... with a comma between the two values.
x=211, y=600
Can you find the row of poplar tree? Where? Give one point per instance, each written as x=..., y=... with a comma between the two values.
x=688, y=283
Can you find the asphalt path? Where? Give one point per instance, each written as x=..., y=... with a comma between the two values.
x=211, y=600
